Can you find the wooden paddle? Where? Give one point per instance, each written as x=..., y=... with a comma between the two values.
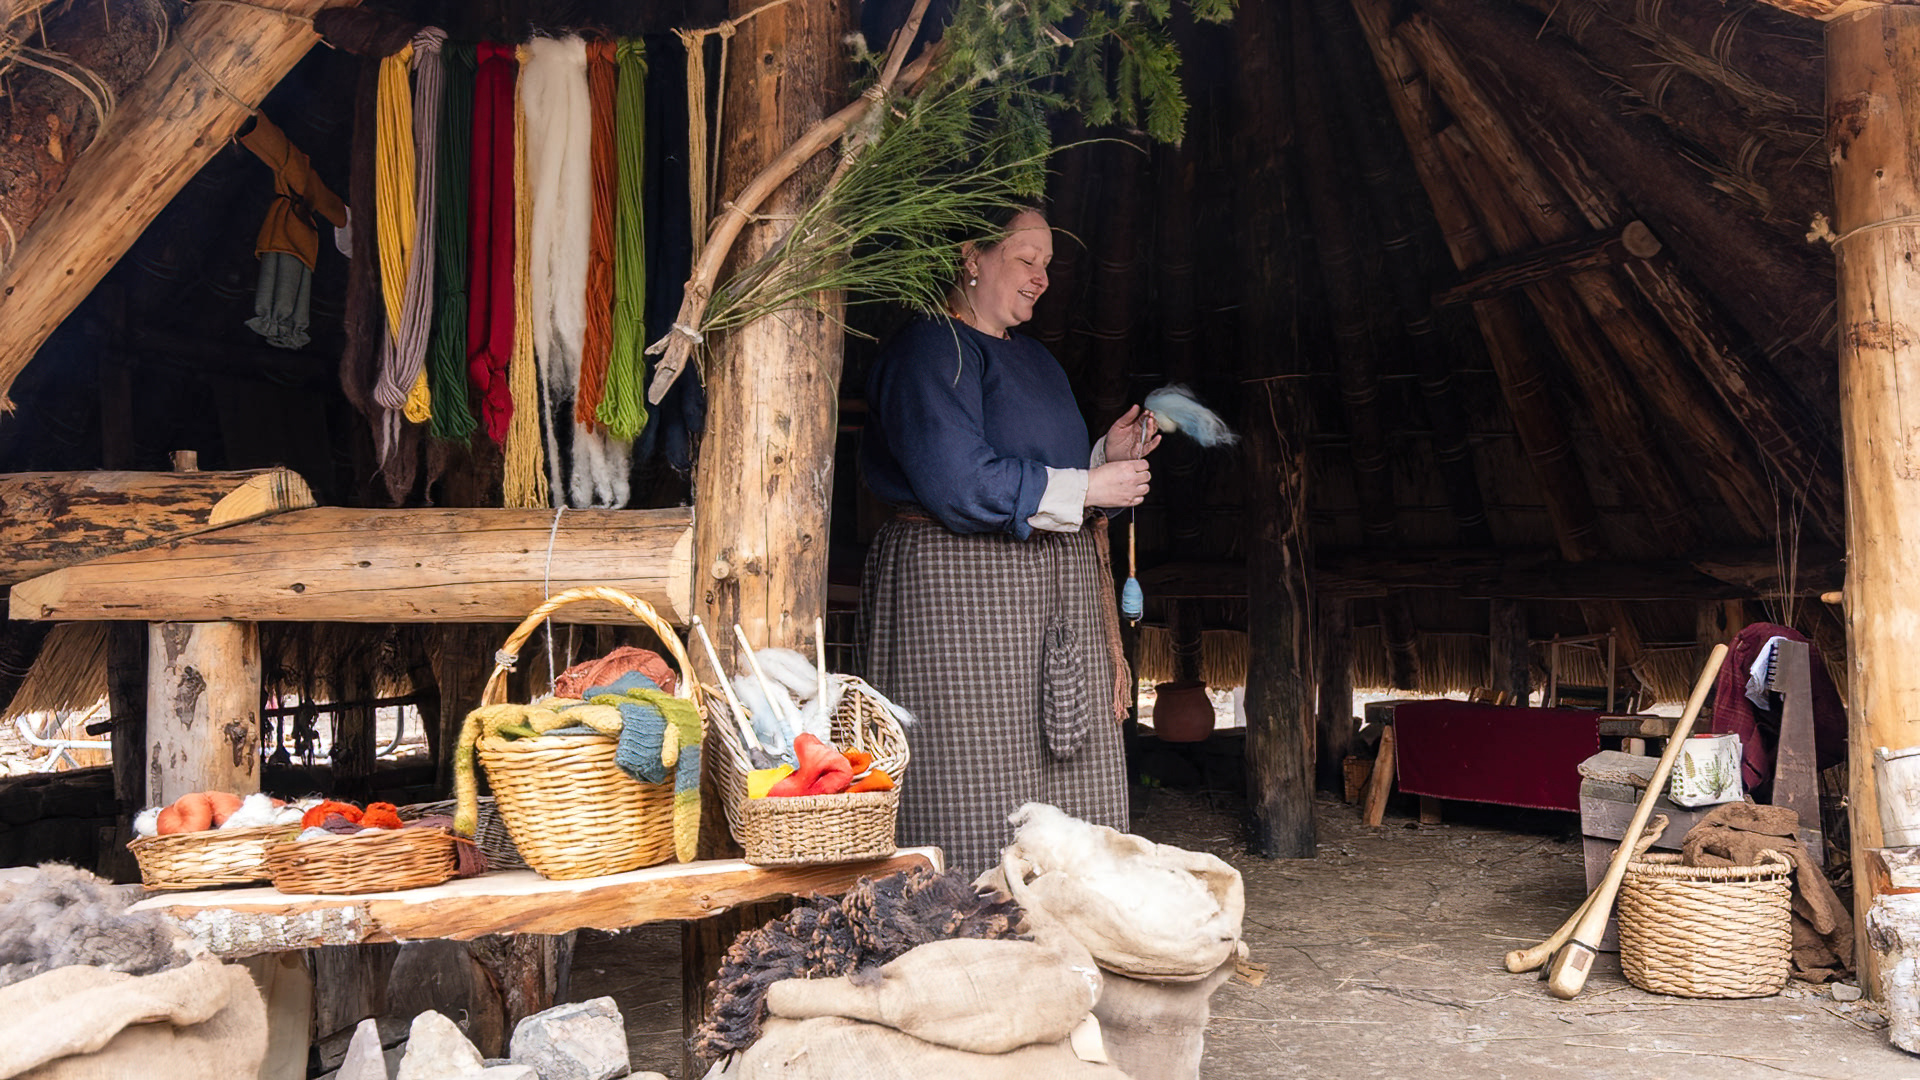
x=1567, y=972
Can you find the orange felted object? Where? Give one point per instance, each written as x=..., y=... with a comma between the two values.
x=192, y=812
x=224, y=803
x=859, y=759
x=818, y=769
x=381, y=815
x=875, y=780
x=318, y=815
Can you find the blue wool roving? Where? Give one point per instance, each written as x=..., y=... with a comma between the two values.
x=1174, y=408
x=1133, y=603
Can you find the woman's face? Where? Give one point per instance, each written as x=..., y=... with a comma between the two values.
x=1011, y=274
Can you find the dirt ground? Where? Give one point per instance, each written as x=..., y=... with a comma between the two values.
x=1384, y=960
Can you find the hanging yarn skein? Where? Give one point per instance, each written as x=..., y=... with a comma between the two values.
x=402, y=386
x=554, y=101
x=624, y=409
x=524, y=479
x=597, y=343
x=490, y=239
x=447, y=378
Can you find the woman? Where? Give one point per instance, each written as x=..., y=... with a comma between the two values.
x=986, y=603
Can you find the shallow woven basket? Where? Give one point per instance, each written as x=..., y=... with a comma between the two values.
x=1707, y=931
x=817, y=828
x=570, y=811
x=491, y=835
x=207, y=859
x=380, y=861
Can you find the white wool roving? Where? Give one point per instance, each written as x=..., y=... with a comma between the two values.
x=767, y=725
x=147, y=822
x=601, y=466
x=1174, y=408
x=256, y=811
x=816, y=716
x=1153, y=895
x=791, y=670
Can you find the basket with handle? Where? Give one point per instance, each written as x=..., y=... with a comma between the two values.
x=572, y=813
x=816, y=828
x=1707, y=931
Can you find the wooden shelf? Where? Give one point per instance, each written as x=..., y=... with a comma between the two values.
x=242, y=922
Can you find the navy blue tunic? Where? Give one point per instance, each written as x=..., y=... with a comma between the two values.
x=966, y=425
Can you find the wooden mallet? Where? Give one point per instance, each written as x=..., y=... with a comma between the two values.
x=1568, y=970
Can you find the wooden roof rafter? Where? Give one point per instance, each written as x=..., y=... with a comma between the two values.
x=220, y=63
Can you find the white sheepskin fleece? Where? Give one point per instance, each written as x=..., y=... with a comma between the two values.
x=1156, y=895
x=147, y=822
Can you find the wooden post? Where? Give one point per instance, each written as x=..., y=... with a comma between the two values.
x=1873, y=75
x=765, y=477
x=203, y=709
x=127, y=707
x=1280, y=720
x=1507, y=649
x=1333, y=641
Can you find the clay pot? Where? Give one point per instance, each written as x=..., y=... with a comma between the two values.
x=1182, y=712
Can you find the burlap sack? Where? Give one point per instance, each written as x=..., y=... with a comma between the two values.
x=85, y=1023
x=1156, y=1030
x=986, y=997
x=1181, y=950
x=835, y=1048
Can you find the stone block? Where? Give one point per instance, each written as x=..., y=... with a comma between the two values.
x=584, y=1040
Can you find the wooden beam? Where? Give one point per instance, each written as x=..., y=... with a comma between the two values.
x=1510, y=273
x=1334, y=724
x=1508, y=652
x=335, y=564
x=240, y=922
x=50, y=520
x=1515, y=574
x=223, y=60
x=1873, y=83
x=203, y=709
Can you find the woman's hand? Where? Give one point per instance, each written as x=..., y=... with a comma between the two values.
x=1133, y=436
x=1118, y=484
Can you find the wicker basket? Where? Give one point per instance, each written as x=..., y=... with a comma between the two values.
x=817, y=828
x=382, y=860
x=491, y=834
x=570, y=811
x=1707, y=931
x=207, y=859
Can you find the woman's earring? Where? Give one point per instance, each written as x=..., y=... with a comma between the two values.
x=973, y=281
x=973, y=276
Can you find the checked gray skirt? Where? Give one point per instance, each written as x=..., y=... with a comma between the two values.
x=998, y=647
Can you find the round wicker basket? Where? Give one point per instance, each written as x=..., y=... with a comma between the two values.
x=490, y=834
x=384, y=860
x=1707, y=931
x=570, y=811
x=208, y=859
x=816, y=828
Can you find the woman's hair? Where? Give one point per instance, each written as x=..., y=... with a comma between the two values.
x=1003, y=218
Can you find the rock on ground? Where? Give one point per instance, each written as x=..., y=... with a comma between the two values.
x=584, y=1040
x=438, y=1050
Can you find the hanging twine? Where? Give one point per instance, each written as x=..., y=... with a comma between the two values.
x=624, y=409
x=447, y=347
x=490, y=250
x=597, y=345
x=524, y=484
x=697, y=160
